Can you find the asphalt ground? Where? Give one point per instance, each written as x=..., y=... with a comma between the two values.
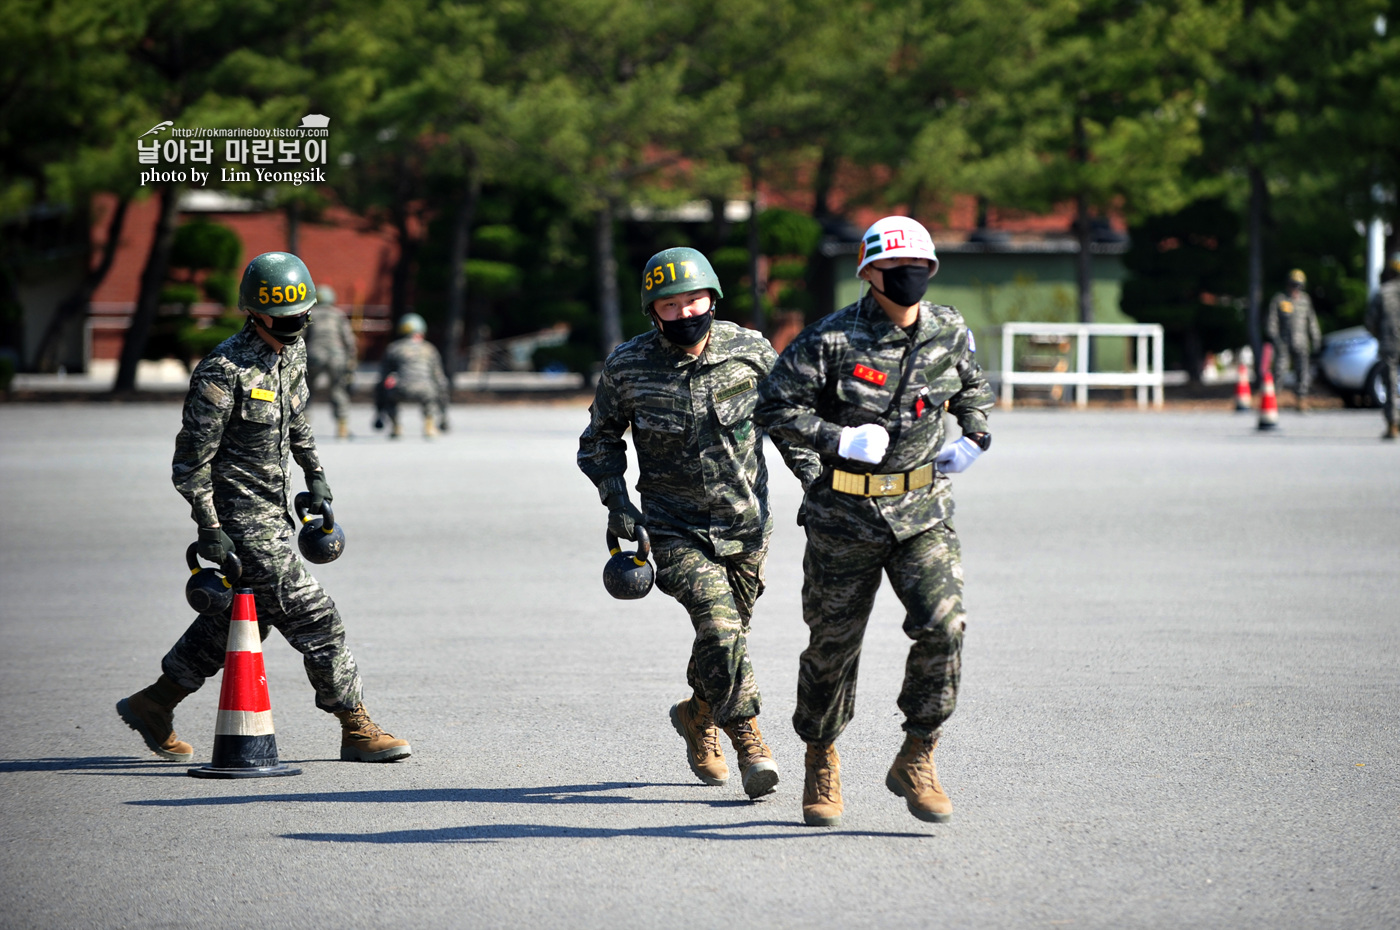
x=1179, y=704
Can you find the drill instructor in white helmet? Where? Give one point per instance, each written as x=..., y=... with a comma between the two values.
x=866, y=389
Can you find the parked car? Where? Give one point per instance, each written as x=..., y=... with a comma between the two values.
x=1350, y=363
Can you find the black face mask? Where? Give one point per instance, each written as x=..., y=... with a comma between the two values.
x=905, y=285
x=686, y=331
x=285, y=329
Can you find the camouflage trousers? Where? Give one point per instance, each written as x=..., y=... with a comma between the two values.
x=1389, y=364
x=339, y=377
x=427, y=398
x=1296, y=358
x=288, y=599
x=719, y=593
x=842, y=576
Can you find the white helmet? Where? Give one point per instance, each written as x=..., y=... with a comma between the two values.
x=896, y=237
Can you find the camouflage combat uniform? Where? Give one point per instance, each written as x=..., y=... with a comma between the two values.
x=1383, y=322
x=704, y=488
x=852, y=368
x=331, y=349
x=245, y=414
x=1291, y=327
x=416, y=368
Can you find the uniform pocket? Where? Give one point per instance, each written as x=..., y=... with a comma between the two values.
x=735, y=403
x=869, y=387
x=261, y=406
x=660, y=428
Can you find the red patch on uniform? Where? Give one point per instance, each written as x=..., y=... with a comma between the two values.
x=870, y=374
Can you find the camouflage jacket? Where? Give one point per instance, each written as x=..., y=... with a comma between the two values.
x=856, y=367
x=703, y=475
x=244, y=416
x=417, y=367
x=1383, y=316
x=1291, y=321
x=330, y=340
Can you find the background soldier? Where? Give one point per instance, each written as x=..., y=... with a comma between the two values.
x=1291, y=328
x=1383, y=321
x=412, y=371
x=865, y=388
x=687, y=389
x=331, y=349
x=246, y=409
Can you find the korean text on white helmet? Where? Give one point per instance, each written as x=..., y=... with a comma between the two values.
x=896, y=237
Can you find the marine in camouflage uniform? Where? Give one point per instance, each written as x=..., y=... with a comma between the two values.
x=331, y=350
x=1291, y=328
x=412, y=371
x=893, y=515
x=704, y=489
x=245, y=417
x=1383, y=322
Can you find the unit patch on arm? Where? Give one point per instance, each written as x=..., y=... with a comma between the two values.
x=870, y=374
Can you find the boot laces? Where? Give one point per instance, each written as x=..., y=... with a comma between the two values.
x=708, y=735
x=921, y=767
x=750, y=743
x=826, y=776
x=360, y=723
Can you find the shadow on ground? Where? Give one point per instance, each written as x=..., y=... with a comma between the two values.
x=494, y=833
x=97, y=765
x=549, y=794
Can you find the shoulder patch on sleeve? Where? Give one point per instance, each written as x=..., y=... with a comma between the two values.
x=214, y=394
x=971, y=342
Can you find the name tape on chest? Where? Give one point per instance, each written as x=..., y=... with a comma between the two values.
x=734, y=390
x=263, y=394
x=1286, y=306
x=872, y=375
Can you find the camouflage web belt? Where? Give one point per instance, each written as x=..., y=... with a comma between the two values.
x=863, y=485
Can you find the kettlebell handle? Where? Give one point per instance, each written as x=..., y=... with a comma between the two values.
x=232, y=567
x=302, y=503
x=643, y=545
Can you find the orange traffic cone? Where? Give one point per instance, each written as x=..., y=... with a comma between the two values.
x=244, y=743
x=1268, y=403
x=1243, y=400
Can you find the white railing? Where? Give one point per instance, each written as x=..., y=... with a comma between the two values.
x=1148, y=375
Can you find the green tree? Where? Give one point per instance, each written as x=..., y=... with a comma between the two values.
x=1103, y=113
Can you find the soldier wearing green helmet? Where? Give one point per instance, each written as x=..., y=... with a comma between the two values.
x=244, y=417
x=687, y=390
x=331, y=353
x=411, y=371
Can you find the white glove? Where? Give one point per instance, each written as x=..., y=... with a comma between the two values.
x=864, y=443
x=957, y=456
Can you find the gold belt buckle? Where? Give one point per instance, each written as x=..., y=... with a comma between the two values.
x=863, y=485
x=886, y=485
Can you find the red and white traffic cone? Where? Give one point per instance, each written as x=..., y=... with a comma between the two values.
x=1268, y=403
x=244, y=743
x=1243, y=400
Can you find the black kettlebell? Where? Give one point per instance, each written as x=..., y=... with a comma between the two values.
x=628, y=575
x=321, y=539
x=208, y=591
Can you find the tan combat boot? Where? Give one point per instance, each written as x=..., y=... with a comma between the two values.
x=821, y=792
x=395, y=430
x=429, y=428
x=915, y=779
x=151, y=712
x=342, y=429
x=362, y=740
x=757, y=769
x=693, y=721
x=1392, y=431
